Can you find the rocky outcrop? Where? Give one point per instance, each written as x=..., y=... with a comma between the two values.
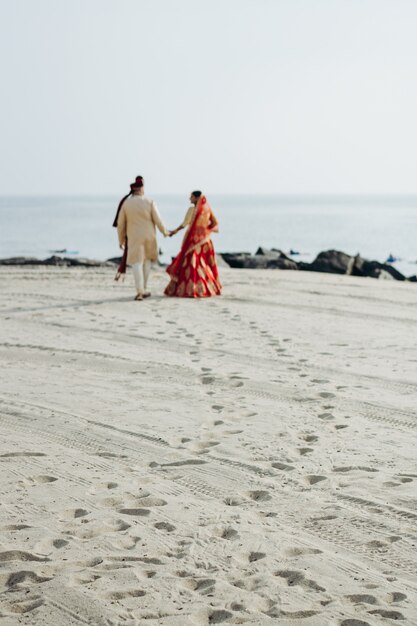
x=56, y=261
x=329, y=261
x=374, y=269
x=263, y=259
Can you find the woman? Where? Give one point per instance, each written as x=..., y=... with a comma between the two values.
x=194, y=272
x=136, y=219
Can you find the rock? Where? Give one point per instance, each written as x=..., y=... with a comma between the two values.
x=283, y=263
x=220, y=261
x=374, y=269
x=235, y=259
x=21, y=260
x=270, y=252
x=83, y=262
x=263, y=259
x=332, y=262
x=55, y=261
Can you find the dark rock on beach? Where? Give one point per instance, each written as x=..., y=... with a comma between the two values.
x=329, y=262
x=374, y=269
x=56, y=261
x=263, y=259
x=21, y=260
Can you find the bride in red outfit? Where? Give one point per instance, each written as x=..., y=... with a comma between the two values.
x=194, y=272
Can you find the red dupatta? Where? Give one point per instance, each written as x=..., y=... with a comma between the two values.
x=199, y=232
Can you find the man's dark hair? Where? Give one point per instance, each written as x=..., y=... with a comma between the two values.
x=196, y=194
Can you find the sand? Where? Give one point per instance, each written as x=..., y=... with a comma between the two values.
x=249, y=459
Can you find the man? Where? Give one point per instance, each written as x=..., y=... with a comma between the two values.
x=136, y=220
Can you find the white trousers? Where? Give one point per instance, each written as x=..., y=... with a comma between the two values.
x=141, y=273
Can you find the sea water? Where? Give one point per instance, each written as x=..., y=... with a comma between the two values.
x=374, y=226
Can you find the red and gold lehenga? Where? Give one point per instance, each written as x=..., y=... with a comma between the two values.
x=194, y=272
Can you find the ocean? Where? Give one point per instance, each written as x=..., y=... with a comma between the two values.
x=374, y=226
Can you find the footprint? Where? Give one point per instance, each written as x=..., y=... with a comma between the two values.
x=311, y=438
x=324, y=518
x=256, y=556
x=26, y=605
x=74, y=513
x=304, y=451
x=232, y=501
x=295, y=578
x=125, y=593
x=217, y=617
x=396, y=596
x=25, y=577
x=259, y=496
x=326, y=394
x=20, y=555
x=111, y=455
x=151, y=501
x=135, y=512
x=362, y=599
x=13, y=454
x=326, y=416
x=387, y=614
x=186, y=462
x=165, y=526
x=354, y=622
x=43, y=479
x=229, y=534
x=283, y=466
x=312, y=479
x=302, y=551
x=350, y=468
x=204, y=586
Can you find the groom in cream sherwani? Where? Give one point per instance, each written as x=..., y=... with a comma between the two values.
x=137, y=220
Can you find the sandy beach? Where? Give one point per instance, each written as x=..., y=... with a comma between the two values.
x=249, y=459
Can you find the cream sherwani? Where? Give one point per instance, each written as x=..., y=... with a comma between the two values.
x=138, y=220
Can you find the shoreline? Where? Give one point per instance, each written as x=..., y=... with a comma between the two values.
x=328, y=262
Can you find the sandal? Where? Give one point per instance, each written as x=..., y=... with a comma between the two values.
x=147, y=294
x=138, y=297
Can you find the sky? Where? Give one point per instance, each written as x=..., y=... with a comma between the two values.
x=231, y=96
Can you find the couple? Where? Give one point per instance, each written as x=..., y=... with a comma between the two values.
x=193, y=272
